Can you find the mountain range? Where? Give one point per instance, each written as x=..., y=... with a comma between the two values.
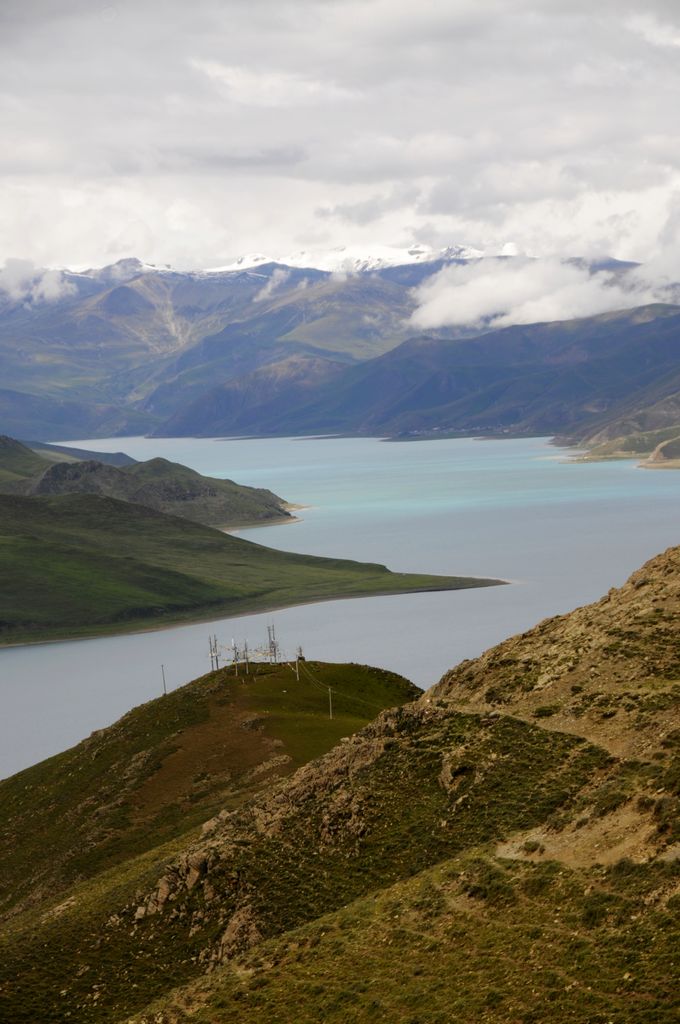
x=259, y=347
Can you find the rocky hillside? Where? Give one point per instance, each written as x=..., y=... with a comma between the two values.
x=166, y=487
x=507, y=845
x=609, y=671
x=157, y=484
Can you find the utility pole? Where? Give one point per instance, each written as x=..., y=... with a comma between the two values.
x=330, y=703
x=273, y=645
x=235, y=656
x=214, y=653
x=165, y=689
x=245, y=655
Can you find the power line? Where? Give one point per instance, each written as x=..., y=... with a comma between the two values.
x=347, y=696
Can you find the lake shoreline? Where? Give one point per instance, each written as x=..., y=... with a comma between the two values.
x=564, y=536
x=255, y=608
x=280, y=521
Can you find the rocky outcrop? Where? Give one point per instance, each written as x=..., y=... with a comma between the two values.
x=560, y=745
x=165, y=487
x=607, y=671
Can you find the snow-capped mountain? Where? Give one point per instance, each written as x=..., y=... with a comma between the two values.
x=348, y=259
x=352, y=259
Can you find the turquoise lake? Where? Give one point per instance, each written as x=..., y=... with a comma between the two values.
x=562, y=532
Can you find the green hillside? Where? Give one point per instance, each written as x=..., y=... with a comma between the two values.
x=21, y=462
x=166, y=487
x=18, y=463
x=82, y=564
x=169, y=765
x=157, y=483
x=502, y=849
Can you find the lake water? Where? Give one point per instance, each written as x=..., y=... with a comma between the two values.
x=564, y=533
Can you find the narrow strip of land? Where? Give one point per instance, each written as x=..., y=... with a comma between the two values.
x=84, y=565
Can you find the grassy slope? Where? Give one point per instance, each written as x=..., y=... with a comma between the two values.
x=166, y=487
x=168, y=765
x=176, y=489
x=17, y=462
x=61, y=453
x=475, y=939
x=507, y=845
x=157, y=483
x=284, y=861
x=80, y=565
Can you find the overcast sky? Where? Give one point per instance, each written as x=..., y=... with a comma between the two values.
x=191, y=132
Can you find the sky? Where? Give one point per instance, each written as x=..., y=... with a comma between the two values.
x=190, y=133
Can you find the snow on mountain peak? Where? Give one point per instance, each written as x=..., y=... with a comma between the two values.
x=351, y=259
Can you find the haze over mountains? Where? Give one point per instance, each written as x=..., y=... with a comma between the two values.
x=259, y=347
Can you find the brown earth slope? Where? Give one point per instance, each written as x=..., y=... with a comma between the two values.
x=504, y=849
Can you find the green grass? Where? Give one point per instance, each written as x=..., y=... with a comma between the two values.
x=351, y=833
x=474, y=939
x=17, y=462
x=157, y=483
x=405, y=875
x=172, y=763
x=80, y=565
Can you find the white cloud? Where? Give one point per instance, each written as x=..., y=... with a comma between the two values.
x=269, y=88
x=218, y=129
x=657, y=32
x=278, y=278
x=23, y=282
x=518, y=290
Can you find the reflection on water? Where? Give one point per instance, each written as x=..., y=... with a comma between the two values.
x=563, y=532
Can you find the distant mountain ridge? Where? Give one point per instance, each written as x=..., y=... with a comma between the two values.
x=568, y=378
x=122, y=348
x=134, y=348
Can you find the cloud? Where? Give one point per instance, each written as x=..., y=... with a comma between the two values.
x=269, y=126
x=278, y=278
x=269, y=88
x=22, y=282
x=518, y=290
x=654, y=31
x=367, y=211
